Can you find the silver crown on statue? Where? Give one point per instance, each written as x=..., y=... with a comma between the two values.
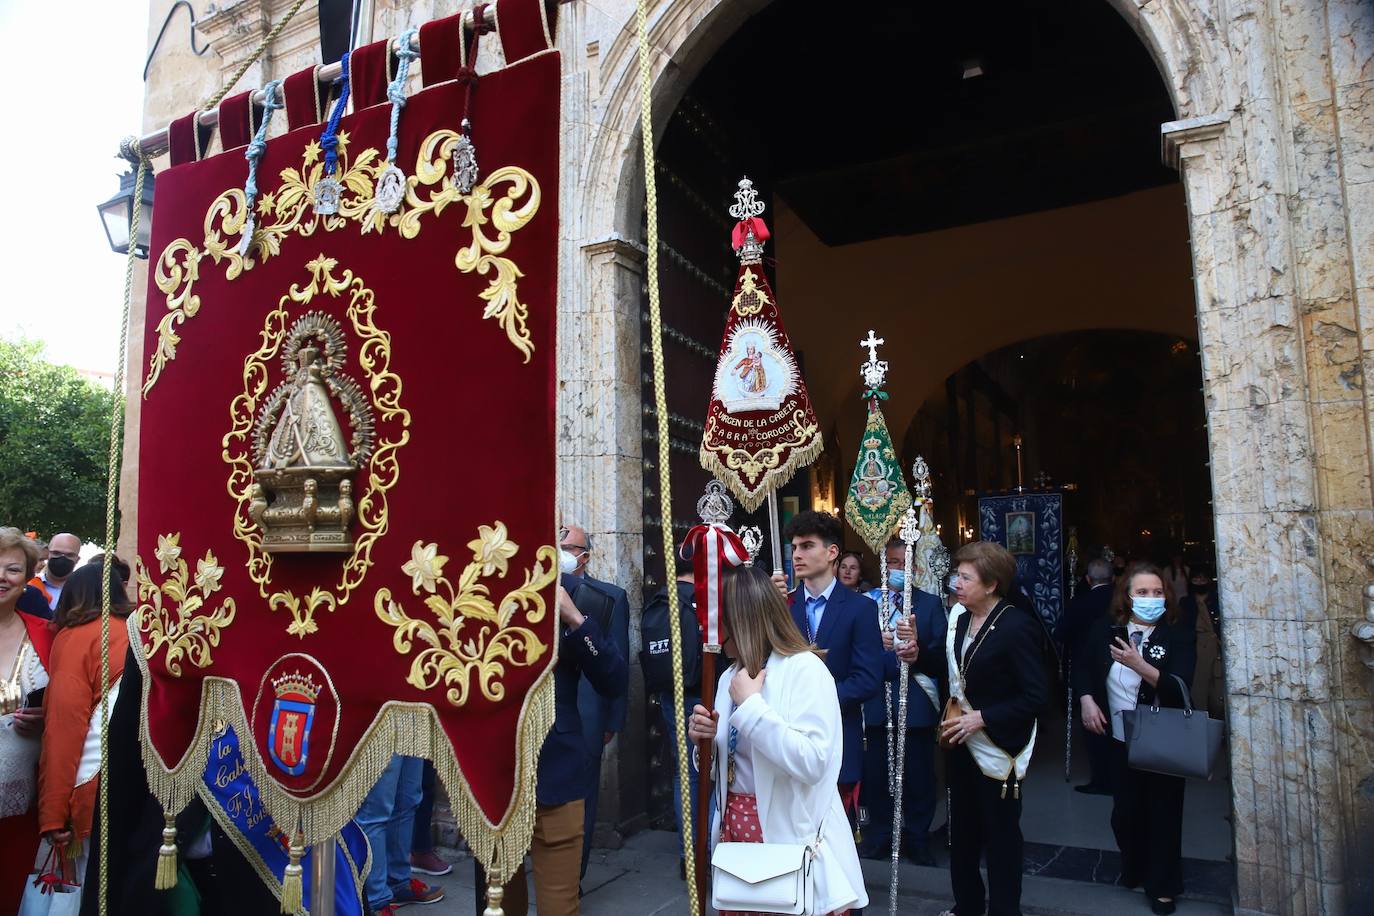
x=747, y=206
x=715, y=507
x=752, y=536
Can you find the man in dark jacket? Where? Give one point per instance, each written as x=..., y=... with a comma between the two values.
x=923, y=714
x=603, y=716
x=1086, y=608
x=558, y=827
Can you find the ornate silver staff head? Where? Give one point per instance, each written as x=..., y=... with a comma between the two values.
x=910, y=530
x=920, y=471
x=752, y=536
x=874, y=371
x=715, y=507
x=747, y=206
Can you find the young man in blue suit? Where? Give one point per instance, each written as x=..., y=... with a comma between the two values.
x=842, y=622
x=923, y=708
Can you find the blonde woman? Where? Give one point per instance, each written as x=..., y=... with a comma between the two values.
x=24, y=645
x=777, y=758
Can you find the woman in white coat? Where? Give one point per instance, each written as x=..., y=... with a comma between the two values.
x=777, y=758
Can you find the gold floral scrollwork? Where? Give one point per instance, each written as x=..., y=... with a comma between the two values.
x=475, y=635
x=509, y=212
x=303, y=610
x=178, y=626
x=287, y=210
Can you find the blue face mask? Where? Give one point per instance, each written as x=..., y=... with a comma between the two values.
x=1147, y=609
x=896, y=578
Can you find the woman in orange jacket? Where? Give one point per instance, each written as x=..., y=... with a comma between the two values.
x=69, y=768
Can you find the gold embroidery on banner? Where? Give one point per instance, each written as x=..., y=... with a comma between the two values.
x=475, y=633
x=755, y=471
x=751, y=298
x=384, y=389
x=288, y=210
x=483, y=255
x=185, y=633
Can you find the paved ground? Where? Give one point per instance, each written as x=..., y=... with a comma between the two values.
x=642, y=880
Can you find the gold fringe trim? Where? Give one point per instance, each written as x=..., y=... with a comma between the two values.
x=410, y=729
x=166, y=877
x=775, y=479
x=292, y=886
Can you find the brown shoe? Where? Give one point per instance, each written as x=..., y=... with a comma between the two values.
x=429, y=863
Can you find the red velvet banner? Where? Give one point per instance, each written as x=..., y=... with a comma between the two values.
x=347, y=459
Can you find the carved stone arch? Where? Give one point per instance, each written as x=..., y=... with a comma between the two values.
x=1181, y=37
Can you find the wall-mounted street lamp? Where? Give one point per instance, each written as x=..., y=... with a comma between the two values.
x=117, y=213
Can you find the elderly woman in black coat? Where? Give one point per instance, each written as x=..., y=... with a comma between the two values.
x=1141, y=652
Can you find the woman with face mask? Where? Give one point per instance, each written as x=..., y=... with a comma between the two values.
x=1133, y=655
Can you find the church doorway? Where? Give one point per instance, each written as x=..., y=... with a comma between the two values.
x=985, y=191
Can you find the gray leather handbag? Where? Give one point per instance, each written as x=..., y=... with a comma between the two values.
x=1174, y=742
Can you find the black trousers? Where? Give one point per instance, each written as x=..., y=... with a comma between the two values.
x=1147, y=818
x=982, y=822
x=918, y=788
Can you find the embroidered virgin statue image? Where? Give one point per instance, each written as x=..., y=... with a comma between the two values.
x=754, y=372
x=873, y=488
x=753, y=376
x=307, y=433
x=312, y=436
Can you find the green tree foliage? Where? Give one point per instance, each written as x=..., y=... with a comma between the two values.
x=54, y=445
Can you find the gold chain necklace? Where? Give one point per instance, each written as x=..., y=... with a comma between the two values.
x=978, y=641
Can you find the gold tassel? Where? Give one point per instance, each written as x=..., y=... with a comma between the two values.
x=1004, y=788
x=166, y=878
x=495, y=893
x=292, y=884
x=73, y=850
x=1016, y=789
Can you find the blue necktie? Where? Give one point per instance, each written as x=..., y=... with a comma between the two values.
x=814, y=606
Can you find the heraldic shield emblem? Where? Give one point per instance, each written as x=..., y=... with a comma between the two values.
x=289, y=734
x=341, y=556
x=293, y=715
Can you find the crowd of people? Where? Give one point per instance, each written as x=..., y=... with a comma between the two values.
x=982, y=669
x=799, y=720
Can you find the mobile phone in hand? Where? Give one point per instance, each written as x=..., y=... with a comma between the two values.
x=35, y=698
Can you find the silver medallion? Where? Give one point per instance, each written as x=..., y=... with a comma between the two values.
x=246, y=242
x=465, y=161
x=391, y=189
x=327, y=196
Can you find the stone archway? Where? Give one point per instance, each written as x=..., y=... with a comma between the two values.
x=1268, y=139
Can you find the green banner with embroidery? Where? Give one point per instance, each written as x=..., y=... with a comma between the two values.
x=878, y=496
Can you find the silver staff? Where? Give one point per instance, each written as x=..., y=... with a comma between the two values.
x=1068, y=661
x=910, y=533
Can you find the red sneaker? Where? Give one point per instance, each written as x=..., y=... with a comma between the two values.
x=416, y=892
x=429, y=863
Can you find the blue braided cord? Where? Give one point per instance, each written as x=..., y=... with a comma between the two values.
x=270, y=103
x=330, y=138
x=396, y=90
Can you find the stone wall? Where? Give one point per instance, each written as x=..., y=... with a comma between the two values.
x=1274, y=139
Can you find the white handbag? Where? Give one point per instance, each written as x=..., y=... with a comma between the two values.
x=761, y=877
